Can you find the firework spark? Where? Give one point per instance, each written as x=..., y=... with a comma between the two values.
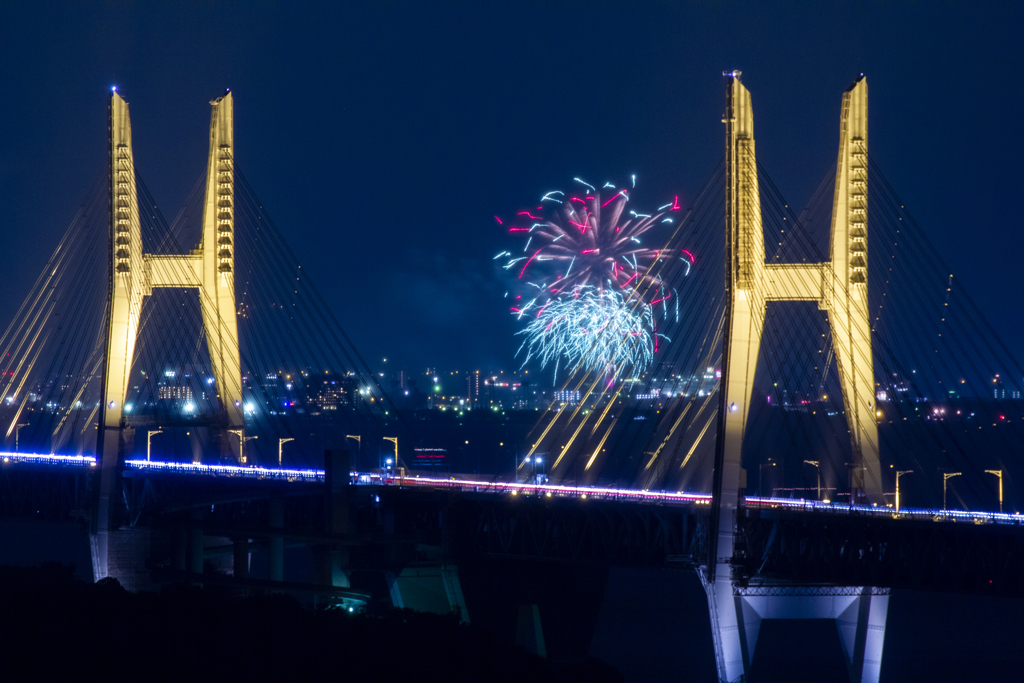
x=591, y=290
x=592, y=329
x=588, y=238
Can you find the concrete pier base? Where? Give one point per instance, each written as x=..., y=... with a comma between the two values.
x=738, y=614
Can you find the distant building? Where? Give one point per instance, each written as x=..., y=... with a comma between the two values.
x=571, y=397
x=332, y=393
x=1000, y=391
x=165, y=393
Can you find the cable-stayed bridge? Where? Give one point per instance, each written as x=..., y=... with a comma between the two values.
x=824, y=377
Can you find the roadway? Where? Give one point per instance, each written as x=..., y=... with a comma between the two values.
x=509, y=488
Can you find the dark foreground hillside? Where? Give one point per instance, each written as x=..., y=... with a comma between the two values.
x=54, y=626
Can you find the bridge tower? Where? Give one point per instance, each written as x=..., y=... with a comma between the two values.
x=839, y=286
x=209, y=269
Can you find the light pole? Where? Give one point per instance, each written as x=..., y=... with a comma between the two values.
x=946, y=476
x=280, y=448
x=241, y=444
x=760, y=471
x=999, y=473
x=149, y=441
x=853, y=468
x=898, y=473
x=359, y=448
x=395, y=440
x=818, y=469
x=16, y=430
x=241, y=454
x=537, y=462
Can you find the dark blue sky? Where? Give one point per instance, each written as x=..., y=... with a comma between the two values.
x=383, y=137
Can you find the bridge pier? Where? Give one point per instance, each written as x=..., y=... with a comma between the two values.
x=333, y=561
x=240, y=557
x=276, y=541
x=859, y=614
x=429, y=589
x=196, y=543
x=433, y=586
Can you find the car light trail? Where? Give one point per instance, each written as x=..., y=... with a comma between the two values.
x=226, y=470
x=517, y=488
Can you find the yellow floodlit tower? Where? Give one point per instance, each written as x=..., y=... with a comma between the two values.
x=840, y=288
x=209, y=269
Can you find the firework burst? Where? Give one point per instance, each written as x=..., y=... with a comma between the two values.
x=592, y=329
x=587, y=237
x=588, y=285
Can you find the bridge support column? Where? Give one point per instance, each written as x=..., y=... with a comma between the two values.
x=434, y=588
x=196, y=543
x=180, y=556
x=429, y=589
x=859, y=612
x=132, y=277
x=240, y=557
x=839, y=286
x=276, y=550
x=333, y=560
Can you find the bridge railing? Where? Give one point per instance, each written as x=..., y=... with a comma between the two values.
x=47, y=459
x=515, y=488
x=806, y=505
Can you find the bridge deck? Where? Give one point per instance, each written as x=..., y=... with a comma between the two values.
x=144, y=468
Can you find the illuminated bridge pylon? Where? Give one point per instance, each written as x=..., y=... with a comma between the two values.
x=840, y=288
x=209, y=269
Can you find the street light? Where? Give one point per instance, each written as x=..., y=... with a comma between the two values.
x=818, y=468
x=395, y=439
x=149, y=441
x=16, y=430
x=946, y=476
x=999, y=473
x=241, y=444
x=898, y=473
x=280, y=447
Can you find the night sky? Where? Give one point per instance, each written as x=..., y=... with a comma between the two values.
x=384, y=137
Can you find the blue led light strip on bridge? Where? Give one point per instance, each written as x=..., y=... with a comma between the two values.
x=39, y=458
x=515, y=488
x=227, y=470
